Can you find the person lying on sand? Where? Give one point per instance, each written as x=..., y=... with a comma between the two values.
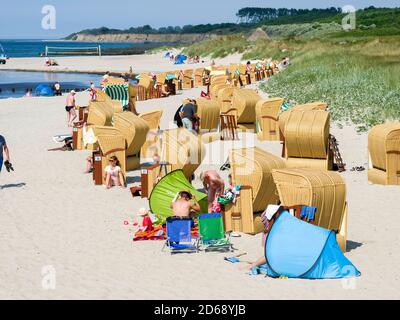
x=185, y=205
x=89, y=164
x=4, y=155
x=264, y=218
x=113, y=174
x=214, y=186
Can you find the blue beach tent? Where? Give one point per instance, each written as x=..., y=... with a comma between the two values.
x=44, y=90
x=180, y=59
x=297, y=249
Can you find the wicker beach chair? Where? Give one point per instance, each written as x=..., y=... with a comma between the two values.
x=384, y=150
x=307, y=140
x=109, y=145
x=267, y=119
x=103, y=97
x=188, y=81
x=317, y=188
x=244, y=76
x=131, y=93
x=134, y=130
x=199, y=77
x=225, y=96
x=100, y=113
x=244, y=103
x=301, y=107
x=251, y=168
x=144, y=87
x=153, y=118
x=182, y=150
x=208, y=112
x=215, y=89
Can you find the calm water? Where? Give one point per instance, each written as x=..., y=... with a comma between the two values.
x=33, y=48
x=15, y=83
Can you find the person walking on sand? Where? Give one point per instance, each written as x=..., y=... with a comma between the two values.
x=92, y=92
x=5, y=155
x=70, y=108
x=213, y=185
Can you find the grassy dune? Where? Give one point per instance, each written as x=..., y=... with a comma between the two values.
x=360, y=82
x=358, y=77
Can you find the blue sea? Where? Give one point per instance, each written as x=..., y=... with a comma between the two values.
x=14, y=84
x=33, y=48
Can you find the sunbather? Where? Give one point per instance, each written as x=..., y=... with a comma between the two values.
x=213, y=185
x=57, y=89
x=4, y=154
x=165, y=90
x=185, y=205
x=113, y=174
x=262, y=260
x=89, y=164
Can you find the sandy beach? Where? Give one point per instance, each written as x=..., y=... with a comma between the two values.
x=118, y=64
x=52, y=217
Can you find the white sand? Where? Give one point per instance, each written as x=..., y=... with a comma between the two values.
x=51, y=214
x=139, y=63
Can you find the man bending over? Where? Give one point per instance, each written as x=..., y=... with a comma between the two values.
x=213, y=185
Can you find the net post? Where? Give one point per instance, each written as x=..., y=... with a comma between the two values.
x=47, y=51
x=99, y=50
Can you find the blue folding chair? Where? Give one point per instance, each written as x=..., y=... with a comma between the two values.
x=179, y=236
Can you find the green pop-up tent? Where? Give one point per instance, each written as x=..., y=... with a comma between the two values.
x=166, y=190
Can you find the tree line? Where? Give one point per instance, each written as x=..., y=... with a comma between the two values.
x=257, y=15
x=249, y=18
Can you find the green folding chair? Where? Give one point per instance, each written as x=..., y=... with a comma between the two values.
x=212, y=233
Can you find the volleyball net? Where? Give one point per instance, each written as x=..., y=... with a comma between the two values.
x=73, y=51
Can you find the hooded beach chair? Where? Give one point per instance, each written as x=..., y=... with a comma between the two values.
x=307, y=143
x=384, y=150
x=251, y=168
x=324, y=190
x=244, y=103
x=179, y=236
x=212, y=233
x=267, y=119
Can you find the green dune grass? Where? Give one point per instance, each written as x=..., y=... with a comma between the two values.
x=360, y=82
x=358, y=77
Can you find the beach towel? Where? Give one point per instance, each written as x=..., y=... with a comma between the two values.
x=88, y=136
x=118, y=92
x=170, y=77
x=61, y=138
x=158, y=233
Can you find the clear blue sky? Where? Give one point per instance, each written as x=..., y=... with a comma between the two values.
x=21, y=19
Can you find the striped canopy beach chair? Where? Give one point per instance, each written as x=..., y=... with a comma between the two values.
x=119, y=92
